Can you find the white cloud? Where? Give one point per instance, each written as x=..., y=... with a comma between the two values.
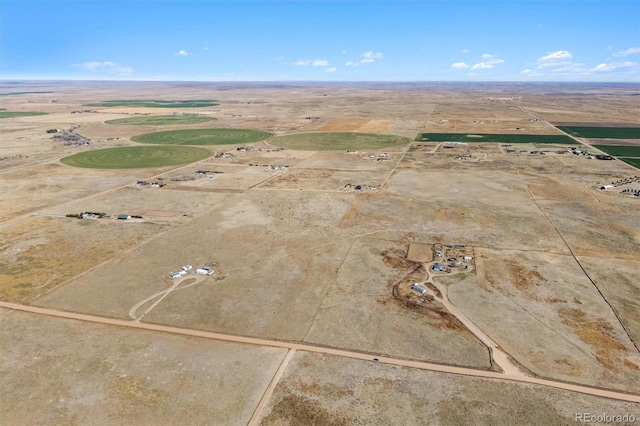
x=553, y=64
x=371, y=55
x=560, y=54
x=482, y=66
x=529, y=72
x=465, y=50
x=183, y=53
x=205, y=48
x=344, y=52
x=630, y=51
x=559, y=61
x=332, y=69
x=612, y=67
x=367, y=58
x=460, y=65
x=489, y=62
x=603, y=67
x=567, y=69
x=106, y=67
x=314, y=63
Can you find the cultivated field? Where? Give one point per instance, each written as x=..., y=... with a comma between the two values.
x=154, y=103
x=203, y=137
x=334, y=141
x=321, y=219
x=504, y=138
x=136, y=157
x=591, y=132
x=11, y=114
x=620, y=150
x=160, y=120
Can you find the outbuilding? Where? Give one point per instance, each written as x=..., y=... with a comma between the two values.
x=124, y=216
x=419, y=289
x=437, y=267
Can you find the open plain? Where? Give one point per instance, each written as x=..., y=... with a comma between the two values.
x=358, y=273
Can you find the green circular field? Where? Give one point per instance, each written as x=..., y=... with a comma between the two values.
x=136, y=157
x=160, y=120
x=203, y=137
x=338, y=141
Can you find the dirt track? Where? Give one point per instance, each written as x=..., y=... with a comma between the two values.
x=518, y=377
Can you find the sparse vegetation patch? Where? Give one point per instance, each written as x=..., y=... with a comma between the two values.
x=333, y=141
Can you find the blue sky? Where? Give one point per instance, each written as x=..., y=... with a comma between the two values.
x=245, y=40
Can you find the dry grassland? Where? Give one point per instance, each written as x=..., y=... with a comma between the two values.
x=559, y=324
x=300, y=256
x=94, y=374
x=38, y=254
x=310, y=392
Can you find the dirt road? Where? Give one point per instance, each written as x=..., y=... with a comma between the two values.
x=324, y=350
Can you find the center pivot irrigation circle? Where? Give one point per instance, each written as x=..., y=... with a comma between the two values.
x=203, y=137
x=137, y=157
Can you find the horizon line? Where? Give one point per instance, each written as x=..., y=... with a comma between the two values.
x=8, y=80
